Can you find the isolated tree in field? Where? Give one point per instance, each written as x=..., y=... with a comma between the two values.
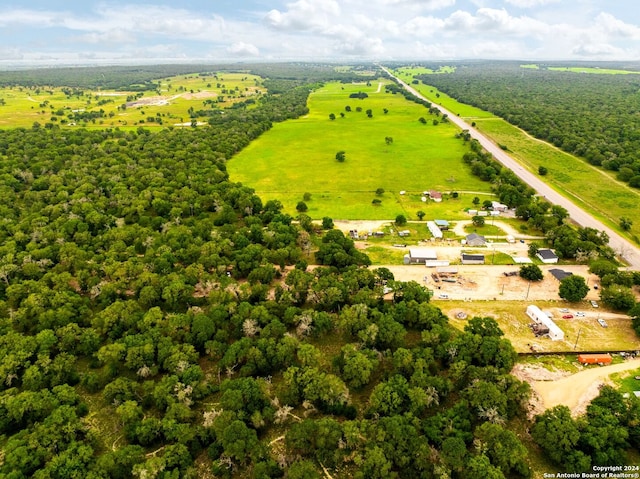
x=388, y=140
x=341, y=156
x=476, y=201
x=301, y=207
x=358, y=109
x=454, y=194
x=478, y=221
x=385, y=111
x=347, y=108
x=542, y=171
x=306, y=196
x=401, y=220
x=531, y=272
x=376, y=201
x=573, y=288
x=625, y=223
x=420, y=214
x=380, y=191
x=332, y=116
x=422, y=120
x=369, y=113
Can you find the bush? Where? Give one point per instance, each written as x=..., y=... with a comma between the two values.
x=301, y=207
x=401, y=220
x=531, y=272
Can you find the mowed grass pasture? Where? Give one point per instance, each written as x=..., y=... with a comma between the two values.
x=594, y=189
x=168, y=105
x=299, y=156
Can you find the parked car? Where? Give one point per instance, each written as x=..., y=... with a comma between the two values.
x=602, y=322
x=521, y=241
x=567, y=316
x=443, y=296
x=594, y=303
x=580, y=314
x=564, y=310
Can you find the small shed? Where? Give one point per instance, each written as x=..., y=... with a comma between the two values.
x=547, y=256
x=472, y=258
x=442, y=224
x=474, y=239
x=435, y=196
x=420, y=256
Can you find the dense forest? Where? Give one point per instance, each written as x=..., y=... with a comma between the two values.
x=158, y=320
x=589, y=115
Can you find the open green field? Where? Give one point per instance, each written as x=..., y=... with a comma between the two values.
x=602, y=71
x=168, y=105
x=299, y=156
x=594, y=189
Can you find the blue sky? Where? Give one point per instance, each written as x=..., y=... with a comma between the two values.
x=49, y=31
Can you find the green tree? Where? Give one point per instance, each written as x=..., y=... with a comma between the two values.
x=380, y=191
x=542, y=171
x=420, y=214
x=306, y=196
x=478, y=221
x=401, y=220
x=625, y=223
x=573, y=288
x=332, y=116
x=618, y=297
x=341, y=156
x=388, y=140
x=531, y=272
x=327, y=223
x=476, y=201
x=301, y=207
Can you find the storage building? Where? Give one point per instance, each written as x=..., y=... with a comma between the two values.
x=539, y=317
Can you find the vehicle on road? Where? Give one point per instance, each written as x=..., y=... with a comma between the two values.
x=602, y=322
x=594, y=303
x=580, y=314
x=564, y=310
x=567, y=316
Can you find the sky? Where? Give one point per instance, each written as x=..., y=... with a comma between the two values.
x=90, y=32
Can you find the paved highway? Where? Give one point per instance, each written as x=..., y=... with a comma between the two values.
x=624, y=248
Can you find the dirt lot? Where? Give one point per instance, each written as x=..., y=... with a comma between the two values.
x=576, y=391
x=487, y=282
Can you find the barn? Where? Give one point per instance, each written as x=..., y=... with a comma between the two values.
x=474, y=239
x=420, y=256
x=547, y=256
x=472, y=258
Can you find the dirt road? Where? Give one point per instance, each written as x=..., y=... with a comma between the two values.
x=577, y=390
x=625, y=249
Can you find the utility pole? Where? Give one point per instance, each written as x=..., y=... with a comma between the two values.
x=578, y=337
x=528, y=288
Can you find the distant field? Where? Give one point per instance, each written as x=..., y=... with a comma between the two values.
x=603, y=71
x=169, y=105
x=298, y=156
x=606, y=197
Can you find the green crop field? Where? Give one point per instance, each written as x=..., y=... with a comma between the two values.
x=605, y=197
x=168, y=105
x=602, y=71
x=299, y=156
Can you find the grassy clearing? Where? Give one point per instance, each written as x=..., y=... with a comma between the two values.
x=626, y=381
x=606, y=198
x=513, y=320
x=486, y=230
x=564, y=362
x=24, y=106
x=299, y=156
x=596, y=70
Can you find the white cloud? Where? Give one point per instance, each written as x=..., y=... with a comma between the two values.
x=112, y=36
x=609, y=24
x=242, y=49
x=422, y=4
x=597, y=51
x=304, y=15
x=530, y=3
